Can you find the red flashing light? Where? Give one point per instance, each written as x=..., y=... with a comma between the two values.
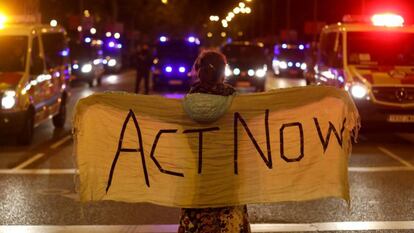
x=387, y=20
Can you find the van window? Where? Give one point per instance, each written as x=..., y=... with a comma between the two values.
x=13, y=50
x=36, y=65
x=328, y=45
x=55, y=48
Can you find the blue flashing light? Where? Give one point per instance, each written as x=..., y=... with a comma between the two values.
x=168, y=69
x=181, y=69
x=191, y=39
x=88, y=40
x=64, y=53
x=284, y=46
x=163, y=39
x=301, y=47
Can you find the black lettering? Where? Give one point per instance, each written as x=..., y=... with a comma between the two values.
x=282, y=146
x=154, y=146
x=325, y=142
x=120, y=149
x=268, y=160
x=200, y=143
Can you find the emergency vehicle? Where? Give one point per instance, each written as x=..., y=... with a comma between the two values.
x=374, y=61
x=34, y=72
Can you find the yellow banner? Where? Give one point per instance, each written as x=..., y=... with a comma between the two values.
x=285, y=145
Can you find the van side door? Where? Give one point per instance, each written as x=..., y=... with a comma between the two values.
x=55, y=53
x=37, y=87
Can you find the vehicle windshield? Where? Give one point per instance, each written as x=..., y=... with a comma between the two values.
x=80, y=51
x=177, y=49
x=244, y=52
x=381, y=48
x=291, y=55
x=14, y=49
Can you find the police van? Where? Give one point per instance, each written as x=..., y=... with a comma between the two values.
x=34, y=73
x=373, y=60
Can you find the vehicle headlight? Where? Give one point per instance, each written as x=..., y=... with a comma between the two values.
x=261, y=72
x=359, y=91
x=112, y=62
x=227, y=71
x=75, y=66
x=250, y=72
x=282, y=65
x=97, y=62
x=303, y=66
x=236, y=71
x=86, y=68
x=8, y=100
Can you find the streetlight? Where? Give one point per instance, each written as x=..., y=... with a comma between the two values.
x=242, y=4
x=209, y=34
x=236, y=10
x=53, y=22
x=93, y=31
x=247, y=10
x=164, y=1
x=223, y=34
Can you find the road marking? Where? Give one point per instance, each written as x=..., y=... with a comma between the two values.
x=70, y=171
x=29, y=161
x=73, y=171
x=396, y=157
x=380, y=169
x=61, y=142
x=262, y=227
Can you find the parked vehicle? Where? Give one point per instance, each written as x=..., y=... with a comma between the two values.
x=247, y=65
x=374, y=61
x=34, y=74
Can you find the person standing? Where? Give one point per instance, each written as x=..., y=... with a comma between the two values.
x=209, y=68
x=143, y=67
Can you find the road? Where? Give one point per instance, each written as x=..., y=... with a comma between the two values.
x=38, y=186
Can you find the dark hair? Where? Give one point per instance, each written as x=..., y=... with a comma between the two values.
x=209, y=67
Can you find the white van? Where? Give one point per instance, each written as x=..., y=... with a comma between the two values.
x=374, y=61
x=34, y=73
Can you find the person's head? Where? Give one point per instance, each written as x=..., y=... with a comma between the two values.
x=209, y=67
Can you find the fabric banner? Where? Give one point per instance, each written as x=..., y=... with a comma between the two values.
x=283, y=145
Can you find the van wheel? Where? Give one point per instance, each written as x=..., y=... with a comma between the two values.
x=91, y=83
x=60, y=119
x=26, y=135
x=99, y=81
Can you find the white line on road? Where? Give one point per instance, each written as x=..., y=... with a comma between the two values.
x=264, y=227
x=29, y=161
x=396, y=157
x=73, y=171
x=61, y=142
x=69, y=171
x=380, y=169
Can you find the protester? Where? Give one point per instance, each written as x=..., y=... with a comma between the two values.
x=209, y=70
x=143, y=66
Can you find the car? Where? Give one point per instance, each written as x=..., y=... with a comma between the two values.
x=112, y=52
x=87, y=60
x=247, y=65
x=289, y=60
x=33, y=79
x=373, y=59
x=172, y=64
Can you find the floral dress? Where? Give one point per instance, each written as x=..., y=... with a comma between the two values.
x=231, y=219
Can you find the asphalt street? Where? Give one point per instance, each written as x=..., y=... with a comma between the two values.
x=39, y=183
